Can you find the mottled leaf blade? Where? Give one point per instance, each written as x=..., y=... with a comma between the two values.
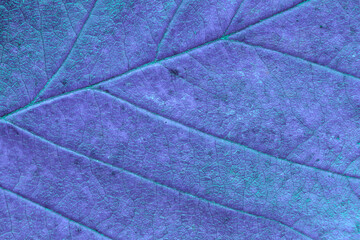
x=36, y=37
x=115, y=202
x=179, y=119
x=190, y=161
x=320, y=31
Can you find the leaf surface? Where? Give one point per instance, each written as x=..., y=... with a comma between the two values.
x=179, y=119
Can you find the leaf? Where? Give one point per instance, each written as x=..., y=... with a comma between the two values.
x=310, y=33
x=21, y=219
x=180, y=119
x=36, y=37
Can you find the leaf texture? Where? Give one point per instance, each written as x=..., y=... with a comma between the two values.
x=180, y=119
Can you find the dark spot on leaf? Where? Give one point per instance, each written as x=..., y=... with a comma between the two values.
x=317, y=159
x=113, y=173
x=77, y=162
x=92, y=153
x=46, y=205
x=107, y=91
x=174, y=71
x=64, y=82
x=37, y=172
x=227, y=219
x=15, y=131
x=122, y=107
x=255, y=130
x=321, y=26
x=78, y=230
x=280, y=119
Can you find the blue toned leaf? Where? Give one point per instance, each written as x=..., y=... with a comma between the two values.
x=321, y=31
x=35, y=37
x=250, y=12
x=180, y=120
x=22, y=219
x=118, y=202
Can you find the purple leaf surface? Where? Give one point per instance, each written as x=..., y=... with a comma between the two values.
x=179, y=119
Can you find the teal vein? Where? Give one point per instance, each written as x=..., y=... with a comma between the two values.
x=150, y=180
x=51, y=211
x=33, y=103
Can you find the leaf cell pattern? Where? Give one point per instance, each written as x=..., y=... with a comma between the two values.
x=179, y=119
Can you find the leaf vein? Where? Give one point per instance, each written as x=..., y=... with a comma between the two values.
x=232, y=19
x=203, y=133
x=167, y=29
x=151, y=181
x=67, y=55
x=50, y=210
x=293, y=56
x=33, y=103
x=275, y=15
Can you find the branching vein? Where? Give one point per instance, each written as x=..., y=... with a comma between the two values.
x=66, y=57
x=15, y=194
x=202, y=133
x=154, y=182
x=33, y=103
x=167, y=29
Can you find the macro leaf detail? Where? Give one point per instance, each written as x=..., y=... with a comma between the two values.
x=179, y=119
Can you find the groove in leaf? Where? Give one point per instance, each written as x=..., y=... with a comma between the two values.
x=142, y=119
